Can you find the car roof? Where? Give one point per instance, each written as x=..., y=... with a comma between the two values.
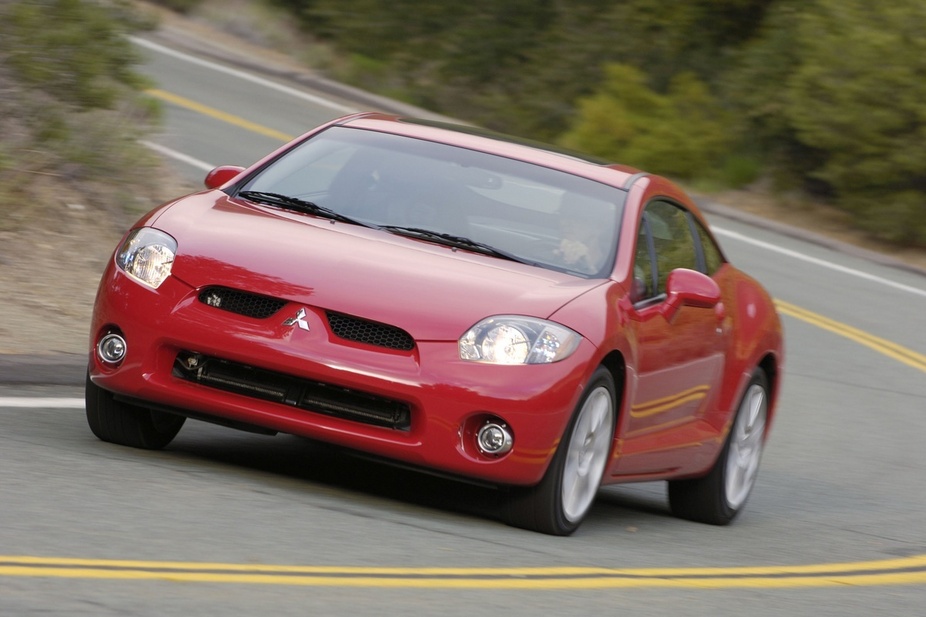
x=499, y=144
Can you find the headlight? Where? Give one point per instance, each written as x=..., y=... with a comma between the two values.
x=510, y=339
x=147, y=256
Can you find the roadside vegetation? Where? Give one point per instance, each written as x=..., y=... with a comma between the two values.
x=71, y=112
x=824, y=98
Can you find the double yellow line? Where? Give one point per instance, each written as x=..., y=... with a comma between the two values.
x=901, y=571
x=880, y=345
x=211, y=112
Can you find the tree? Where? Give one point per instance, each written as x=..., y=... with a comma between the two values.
x=859, y=96
x=71, y=111
x=678, y=134
x=71, y=49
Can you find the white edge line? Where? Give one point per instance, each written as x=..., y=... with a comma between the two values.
x=242, y=75
x=819, y=262
x=24, y=402
x=179, y=156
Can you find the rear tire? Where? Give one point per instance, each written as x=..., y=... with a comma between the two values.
x=126, y=424
x=719, y=496
x=559, y=503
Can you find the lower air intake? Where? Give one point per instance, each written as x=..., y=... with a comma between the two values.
x=309, y=395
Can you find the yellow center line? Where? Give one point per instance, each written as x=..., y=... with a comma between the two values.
x=880, y=345
x=901, y=571
x=217, y=114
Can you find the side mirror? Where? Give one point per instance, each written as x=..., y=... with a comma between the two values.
x=689, y=288
x=221, y=175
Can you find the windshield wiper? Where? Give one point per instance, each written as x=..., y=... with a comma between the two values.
x=300, y=205
x=456, y=242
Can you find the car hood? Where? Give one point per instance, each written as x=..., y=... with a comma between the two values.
x=431, y=291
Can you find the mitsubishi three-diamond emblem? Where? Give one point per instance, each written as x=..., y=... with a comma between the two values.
x=298, y=320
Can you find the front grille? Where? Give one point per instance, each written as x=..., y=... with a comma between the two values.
x=241, y=302
x=369, y=332
x=314, y=396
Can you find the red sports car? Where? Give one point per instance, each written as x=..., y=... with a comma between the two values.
x=451, y=299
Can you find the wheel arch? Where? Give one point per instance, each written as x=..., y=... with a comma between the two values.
x=769, y=365
x=616, y=365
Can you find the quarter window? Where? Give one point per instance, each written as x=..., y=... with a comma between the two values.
x=644, y=275
x=670, y=238
x=713, y=258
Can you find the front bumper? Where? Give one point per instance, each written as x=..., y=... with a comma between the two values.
x=446, y=398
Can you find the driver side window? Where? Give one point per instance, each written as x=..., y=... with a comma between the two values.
x=665, y=242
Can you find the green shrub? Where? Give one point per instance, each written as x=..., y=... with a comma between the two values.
x=179, y=6
x=738, y=171
x=896, y=216
x=71, y=49
x=72, y=110
x=677, y=134
x=859, y=97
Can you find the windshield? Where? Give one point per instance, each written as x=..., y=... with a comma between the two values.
x=534, y=214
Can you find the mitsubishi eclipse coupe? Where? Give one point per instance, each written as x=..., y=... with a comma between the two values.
x=453, y=300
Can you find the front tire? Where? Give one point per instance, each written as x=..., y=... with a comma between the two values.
x=128, y=425
x=720, y=495
x=559, y=503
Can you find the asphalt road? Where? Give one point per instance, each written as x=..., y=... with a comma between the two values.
x=227, y=523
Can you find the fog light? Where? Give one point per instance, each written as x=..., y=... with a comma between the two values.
x=494, y=438
x=111, y=348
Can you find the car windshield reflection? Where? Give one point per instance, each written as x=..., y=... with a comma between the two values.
x=530, y=213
